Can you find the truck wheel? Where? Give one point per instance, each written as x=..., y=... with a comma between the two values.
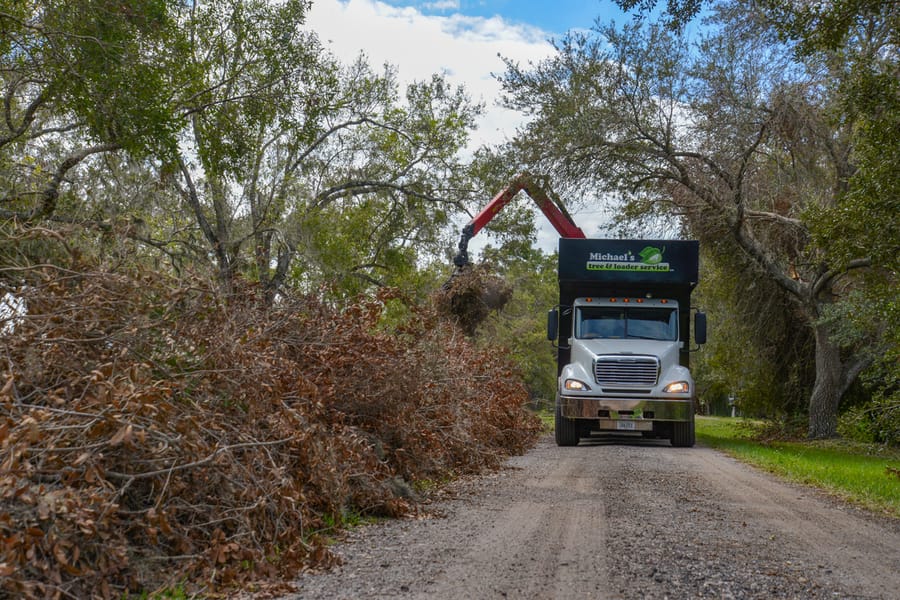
x=683, y=435
x=567, y=430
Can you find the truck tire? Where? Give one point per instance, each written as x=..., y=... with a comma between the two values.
x=566, y=430
x=683, y=435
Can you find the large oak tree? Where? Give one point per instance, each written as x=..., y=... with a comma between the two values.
x=731, y=133
x=225, y=133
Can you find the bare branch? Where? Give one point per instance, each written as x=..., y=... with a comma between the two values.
x=28, y=116
x=745, y=238
x=770, y=216
x=50, y=194
x=322, y=138
x=852, y=371
x=197, y=463
x=193, y=199
x=357, y=188
x=826, y=278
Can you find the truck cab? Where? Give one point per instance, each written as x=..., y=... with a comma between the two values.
x=623, y=332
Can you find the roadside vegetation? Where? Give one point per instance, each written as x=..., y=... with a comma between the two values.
x=219, y=246
x=155, y=430
x=768, y=132
x=862, y=473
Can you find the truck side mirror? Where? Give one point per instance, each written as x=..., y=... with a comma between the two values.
x=700, y=328
x=552, y=324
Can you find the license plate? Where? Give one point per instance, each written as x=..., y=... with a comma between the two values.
x=625, y=425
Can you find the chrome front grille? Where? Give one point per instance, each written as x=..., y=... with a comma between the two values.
x=617, y=370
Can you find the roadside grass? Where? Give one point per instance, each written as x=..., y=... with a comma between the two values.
x=864, y=474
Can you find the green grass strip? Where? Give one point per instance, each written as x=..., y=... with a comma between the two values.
x=865, y=474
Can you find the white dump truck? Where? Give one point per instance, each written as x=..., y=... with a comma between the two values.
x=622, y=328
x=623, y=333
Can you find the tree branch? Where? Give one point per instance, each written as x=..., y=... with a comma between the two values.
x=50, y=194
x=196, y=463
x=193, y=200
x=322, y=138
x=852, y=372
x=356, y=188
x=770, y=216
x=828, y=276
x=745, y=239
x=28, y=116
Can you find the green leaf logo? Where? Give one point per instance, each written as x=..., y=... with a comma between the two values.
x=651, y=255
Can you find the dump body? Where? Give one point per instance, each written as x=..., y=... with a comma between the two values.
x=624, y=337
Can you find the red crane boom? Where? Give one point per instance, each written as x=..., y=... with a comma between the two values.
x=552, y=209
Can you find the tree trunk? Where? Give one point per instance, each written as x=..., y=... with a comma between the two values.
x=827, y=391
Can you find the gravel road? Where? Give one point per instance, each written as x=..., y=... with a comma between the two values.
x=621, y=519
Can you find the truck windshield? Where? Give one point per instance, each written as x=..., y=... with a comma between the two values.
x=613, y=322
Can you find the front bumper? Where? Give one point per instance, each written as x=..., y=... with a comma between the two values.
x=631, y=409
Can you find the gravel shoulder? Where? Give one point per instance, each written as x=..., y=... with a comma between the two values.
x=621, y=519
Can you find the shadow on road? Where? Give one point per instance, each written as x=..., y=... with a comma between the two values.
x=622, y=439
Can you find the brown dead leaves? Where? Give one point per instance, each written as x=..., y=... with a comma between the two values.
x=470, y=295
x=154, y=431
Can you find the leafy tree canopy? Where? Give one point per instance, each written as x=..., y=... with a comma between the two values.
x=729, y=135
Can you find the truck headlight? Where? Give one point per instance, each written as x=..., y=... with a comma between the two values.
x=677, y=387
x=578, y=386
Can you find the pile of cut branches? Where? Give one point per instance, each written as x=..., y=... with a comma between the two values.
x=470, y=295
x=156, y=431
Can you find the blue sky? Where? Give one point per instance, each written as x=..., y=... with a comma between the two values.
x=553, y=16
x=463, y=39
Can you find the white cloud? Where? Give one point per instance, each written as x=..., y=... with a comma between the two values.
x=442, y=5
x=466, y=49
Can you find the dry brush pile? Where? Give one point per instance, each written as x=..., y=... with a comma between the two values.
x=470, y=295
x=154, y=431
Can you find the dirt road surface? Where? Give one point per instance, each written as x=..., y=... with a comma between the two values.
x=622, y=519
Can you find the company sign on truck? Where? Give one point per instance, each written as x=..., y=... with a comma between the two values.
x=624, y=332
x=678, y=258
